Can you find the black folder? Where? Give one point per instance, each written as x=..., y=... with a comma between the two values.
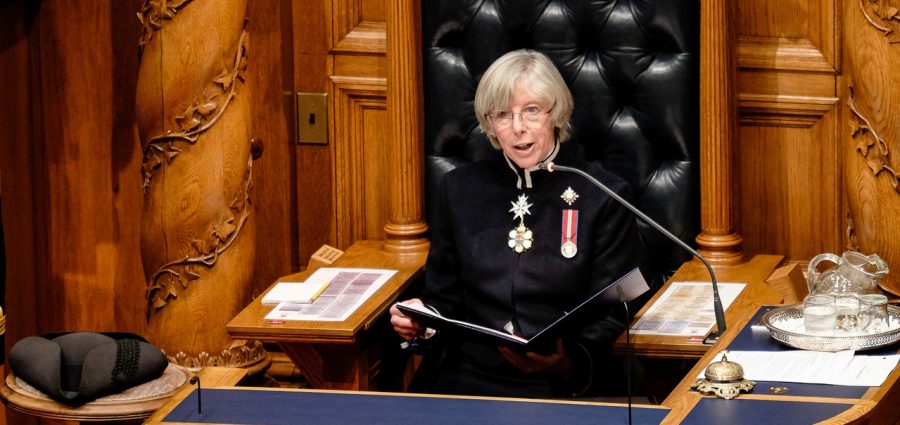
x=632, y=285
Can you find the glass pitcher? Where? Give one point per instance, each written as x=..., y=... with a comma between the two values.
x=853, y=273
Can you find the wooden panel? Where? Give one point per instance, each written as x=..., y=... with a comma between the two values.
x=20, y=190
x=359, y=26
x=789, y=115
x=270, y=82
x=786, y=84
x=17, y=184
x=93, y=187
x=360, y=66
x=361, y=207
x=788, y=180
x=358, y=120
x=371, y=148
x=783, y=54
x=783, y=110
x=794, y=35
x=310, y=23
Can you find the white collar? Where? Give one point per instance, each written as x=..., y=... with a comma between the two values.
x=527, y=171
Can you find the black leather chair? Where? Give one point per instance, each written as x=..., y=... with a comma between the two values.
x=632, y=67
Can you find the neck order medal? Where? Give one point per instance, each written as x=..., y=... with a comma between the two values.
x=520, y=237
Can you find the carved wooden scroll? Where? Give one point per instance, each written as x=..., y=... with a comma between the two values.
x=884, y=16
x=871, y=130
x=197, y=239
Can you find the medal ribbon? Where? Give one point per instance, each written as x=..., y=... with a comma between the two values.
x=570, y=226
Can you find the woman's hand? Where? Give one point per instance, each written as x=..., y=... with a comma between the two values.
x=556, y=363
x=404, y=325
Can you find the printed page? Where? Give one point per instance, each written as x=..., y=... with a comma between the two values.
x=349, y=289
x=686, y=309
x=814, y=367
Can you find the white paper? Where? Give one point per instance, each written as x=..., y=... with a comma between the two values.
x=814, y=367
x=301, y=292
x=349, y=289
x=686, y=309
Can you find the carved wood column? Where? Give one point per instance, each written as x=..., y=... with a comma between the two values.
x=197, y=239
x=406, y=229
x=718, y=120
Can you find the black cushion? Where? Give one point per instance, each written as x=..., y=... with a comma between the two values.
x=75, y=368
x=632, y=67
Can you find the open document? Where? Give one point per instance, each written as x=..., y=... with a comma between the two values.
x=814, y=367
x=685, y=309
x=628, y=287
x=346, y=290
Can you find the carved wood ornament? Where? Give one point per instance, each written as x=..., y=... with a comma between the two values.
x=884, y=16
x=874, y=149
x=197, y=239
x=871, y=131
x=199, y=116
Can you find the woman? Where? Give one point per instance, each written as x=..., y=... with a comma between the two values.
x=498, y=255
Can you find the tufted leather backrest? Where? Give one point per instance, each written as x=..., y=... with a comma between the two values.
x=632, y=67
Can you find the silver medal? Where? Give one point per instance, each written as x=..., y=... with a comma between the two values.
x=569, y=249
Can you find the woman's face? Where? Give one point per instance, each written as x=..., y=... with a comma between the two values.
x=523, y=129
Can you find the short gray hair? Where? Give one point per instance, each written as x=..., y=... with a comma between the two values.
x=528, y=69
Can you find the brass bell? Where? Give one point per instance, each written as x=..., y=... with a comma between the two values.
x=724, y=379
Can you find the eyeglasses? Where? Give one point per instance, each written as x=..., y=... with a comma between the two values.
x=531, y=114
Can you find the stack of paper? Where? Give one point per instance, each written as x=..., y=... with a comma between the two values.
x=299, y=292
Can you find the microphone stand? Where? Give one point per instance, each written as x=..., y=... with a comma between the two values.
x=717, y=302
x=624, y=300
x=196, y=380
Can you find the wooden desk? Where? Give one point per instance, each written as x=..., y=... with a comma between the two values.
x=335, y=355
x=242, y=405
x=873, y=405
x=210, y=377
x=757, y=293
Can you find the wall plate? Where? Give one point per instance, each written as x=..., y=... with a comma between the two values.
x=312, y=118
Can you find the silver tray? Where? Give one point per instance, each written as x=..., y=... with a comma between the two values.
x=828, y=343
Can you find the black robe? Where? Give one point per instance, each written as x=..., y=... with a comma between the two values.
x=472, y=274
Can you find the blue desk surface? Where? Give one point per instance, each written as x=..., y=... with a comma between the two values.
x=273, y=407
x=745, y=411
x=277, y=407
x=757, y=338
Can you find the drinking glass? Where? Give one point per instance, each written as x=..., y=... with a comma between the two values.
x=819, y=314
x=846, y=308
x=873, y=313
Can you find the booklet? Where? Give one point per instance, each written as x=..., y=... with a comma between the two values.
x=632, y=285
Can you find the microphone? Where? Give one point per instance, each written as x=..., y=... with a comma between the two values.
x=717, y=302
x=196, y=380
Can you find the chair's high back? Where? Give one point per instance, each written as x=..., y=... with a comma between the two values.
x=632, y=67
